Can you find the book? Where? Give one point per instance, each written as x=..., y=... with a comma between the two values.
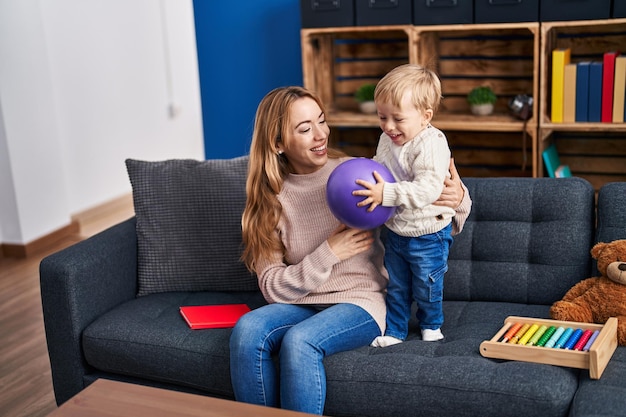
x=608, y=74
x=562, y=171
x=569, y=93
x=582, y=91
x=595, y=92
x=619, y=89
x=560, y=58
x=213, y=316
x=553, y=164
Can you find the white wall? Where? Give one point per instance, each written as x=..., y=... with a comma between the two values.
x=90, y=83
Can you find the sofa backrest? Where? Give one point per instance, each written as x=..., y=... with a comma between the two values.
x=527, y=240
x=611, y=215
x=611, y=212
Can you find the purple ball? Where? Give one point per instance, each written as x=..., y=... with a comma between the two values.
x=343, y=204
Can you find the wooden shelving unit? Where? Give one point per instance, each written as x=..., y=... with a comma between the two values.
x=594, y=151
x=512, y=58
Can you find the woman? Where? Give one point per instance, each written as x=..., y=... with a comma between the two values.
x=324, y=282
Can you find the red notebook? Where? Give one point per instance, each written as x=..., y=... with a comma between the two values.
x=213, y=317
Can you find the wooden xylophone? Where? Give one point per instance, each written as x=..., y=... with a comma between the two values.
x=563, y=343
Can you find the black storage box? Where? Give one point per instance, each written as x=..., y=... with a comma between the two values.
x=506, y=11
x=555, y=10
x=326, y=13
x=442, y=12
x=383, y=12
x=619, y=8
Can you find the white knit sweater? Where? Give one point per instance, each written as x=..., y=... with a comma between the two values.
x=419, y=167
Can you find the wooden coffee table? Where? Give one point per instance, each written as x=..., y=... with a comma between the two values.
x=105, y=398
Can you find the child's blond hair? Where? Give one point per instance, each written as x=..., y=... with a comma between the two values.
x=422, y=82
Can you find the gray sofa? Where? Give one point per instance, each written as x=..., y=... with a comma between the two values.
x=111, y=303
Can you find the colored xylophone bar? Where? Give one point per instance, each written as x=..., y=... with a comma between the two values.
x=558, y=337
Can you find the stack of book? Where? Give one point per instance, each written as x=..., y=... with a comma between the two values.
x=588, y=91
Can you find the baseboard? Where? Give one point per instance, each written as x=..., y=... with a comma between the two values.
x=8, y=250
x=85, y=223
x=105, y=209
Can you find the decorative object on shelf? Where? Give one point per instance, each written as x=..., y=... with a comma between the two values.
x=481, y=100
x=365, y=96
x=521, y=106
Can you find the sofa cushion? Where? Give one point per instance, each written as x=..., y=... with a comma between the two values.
x=148, y=338
x=526, y=240
x=189, y=225
x=605, y=396
x=451, y=377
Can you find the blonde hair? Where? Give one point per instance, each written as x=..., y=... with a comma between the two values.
x=267, y=169
x=423, y=83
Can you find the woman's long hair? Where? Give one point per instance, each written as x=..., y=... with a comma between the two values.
x=266, y=172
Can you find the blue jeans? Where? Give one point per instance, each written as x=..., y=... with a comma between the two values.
x=416, y=266
x=301, y=336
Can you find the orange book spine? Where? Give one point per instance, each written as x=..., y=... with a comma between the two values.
x=619, y=89
x=569, y=93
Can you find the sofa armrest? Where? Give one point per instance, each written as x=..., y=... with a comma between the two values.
x=78, y=285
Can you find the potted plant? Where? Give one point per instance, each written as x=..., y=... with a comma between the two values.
x=364, y=95
x=481, y=100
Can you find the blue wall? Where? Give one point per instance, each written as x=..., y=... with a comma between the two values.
x=245, y=49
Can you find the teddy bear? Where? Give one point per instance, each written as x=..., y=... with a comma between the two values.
x=594, y=300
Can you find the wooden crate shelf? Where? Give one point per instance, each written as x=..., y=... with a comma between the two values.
x=502, y=56
x=594, y=151
x=588, y=40
x=595, y=360
x=336, y=61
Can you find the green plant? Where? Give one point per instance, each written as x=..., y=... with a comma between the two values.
x=365, y=93
x=481, y=95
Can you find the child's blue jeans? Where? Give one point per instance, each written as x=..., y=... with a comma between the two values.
x=416, y=266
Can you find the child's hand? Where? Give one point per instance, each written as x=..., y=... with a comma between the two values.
x=373, y=192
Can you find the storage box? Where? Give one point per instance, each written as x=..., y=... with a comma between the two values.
x=556, y=10
x=383, y=12
x=619, y=9
x=326, y=13
x=442, y=12
x=506, y=11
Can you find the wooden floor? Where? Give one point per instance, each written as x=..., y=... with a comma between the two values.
x=25, y=379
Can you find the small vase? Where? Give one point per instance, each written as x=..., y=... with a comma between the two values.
x=368, y=107
x=482, y=109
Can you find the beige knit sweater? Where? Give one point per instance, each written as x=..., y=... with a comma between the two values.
x=310, y=272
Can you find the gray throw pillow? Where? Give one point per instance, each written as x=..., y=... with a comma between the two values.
x=189, y=224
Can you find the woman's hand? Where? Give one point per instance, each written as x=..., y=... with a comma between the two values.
x=346, y=242
x=453, y=192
